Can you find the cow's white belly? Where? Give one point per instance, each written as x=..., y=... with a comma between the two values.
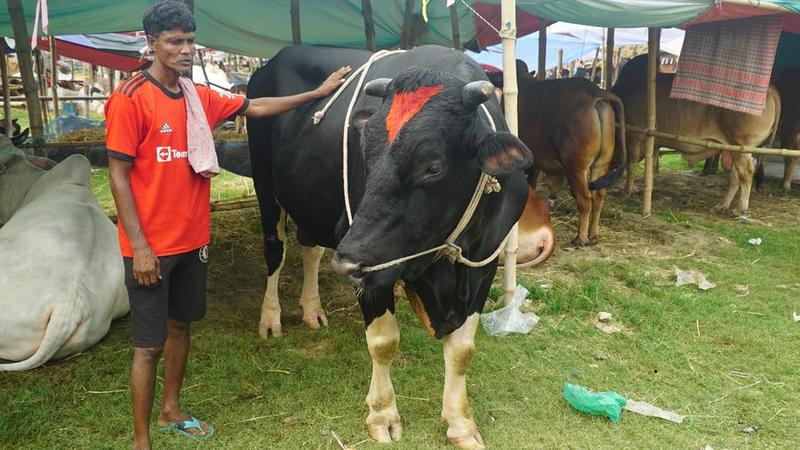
x=61, y=268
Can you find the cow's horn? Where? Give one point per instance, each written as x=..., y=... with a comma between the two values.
x=377, y=87
x=476, y=93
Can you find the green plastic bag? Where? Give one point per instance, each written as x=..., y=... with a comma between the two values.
x=607, y=404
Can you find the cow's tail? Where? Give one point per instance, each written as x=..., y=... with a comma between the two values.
x=621, y=156
x=758, y=175
x=63, y=322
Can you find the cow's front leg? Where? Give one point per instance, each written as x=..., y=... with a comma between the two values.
x=733, y=186
x=271, y=308
x=313, y=314
x=383, y=340
x=459, y=347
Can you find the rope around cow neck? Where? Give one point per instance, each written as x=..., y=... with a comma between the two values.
x=486, y=183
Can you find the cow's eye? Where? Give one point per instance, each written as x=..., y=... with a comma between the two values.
x=433, y=170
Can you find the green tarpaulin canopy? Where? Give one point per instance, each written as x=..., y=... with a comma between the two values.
x=262, y=27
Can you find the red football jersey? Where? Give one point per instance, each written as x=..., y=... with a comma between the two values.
x=146, y=124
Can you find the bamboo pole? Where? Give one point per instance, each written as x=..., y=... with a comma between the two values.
x=594, y=64
x=20, y=98
x=560, y=63
x=88, y=81
x=608, y=65
x=758, y=4
x=649, y=147
x=454, y=26
x=23, y=48
x=406, y=38
x=295, y=12
x=369, y=25
x=54, y=74
x=714, y=145
x=112, y=75
x=6, y=91
x=509, y=34
x=41, y=86
x=542, y=67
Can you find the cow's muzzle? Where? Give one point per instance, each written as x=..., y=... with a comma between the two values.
x=349, y=268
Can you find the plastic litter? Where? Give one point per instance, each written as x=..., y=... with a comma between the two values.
x=754, y=241
x=604, y=316
x=795, y=316
x=647, y=409
x=692, y=277
x=611, y=404
x=510, y=319
x=608, y=404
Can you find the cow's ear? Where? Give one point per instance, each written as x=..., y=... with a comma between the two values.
x=503, y=153
x=360, y=118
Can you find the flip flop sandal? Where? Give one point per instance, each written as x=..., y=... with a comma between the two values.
x=182, y=426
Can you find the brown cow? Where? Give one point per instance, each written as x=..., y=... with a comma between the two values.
x=787, y=81
x=569, y=125
x=696, y=120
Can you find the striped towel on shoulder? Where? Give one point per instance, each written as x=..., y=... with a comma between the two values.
x=728, y=63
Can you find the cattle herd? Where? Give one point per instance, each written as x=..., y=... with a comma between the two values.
x=421, y=135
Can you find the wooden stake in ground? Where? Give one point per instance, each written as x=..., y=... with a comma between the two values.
x=608, y=65
x=54, y=74
x=295, y=12
x=369, y=25
x=22, y=40
x=407, y=34
x=88, y=82
x=509, y=34
x=541, y=68
x=454, y=25
x=560, y=63
x=654, y=35
x=6, y=91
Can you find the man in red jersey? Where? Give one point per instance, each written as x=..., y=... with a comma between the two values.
x=163, y=208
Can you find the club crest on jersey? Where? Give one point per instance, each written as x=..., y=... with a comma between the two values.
x=167, y=154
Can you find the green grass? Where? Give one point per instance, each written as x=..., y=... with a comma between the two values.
x=725, y=358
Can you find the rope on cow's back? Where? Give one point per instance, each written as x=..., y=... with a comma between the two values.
x=319, y=115
x=486, y=183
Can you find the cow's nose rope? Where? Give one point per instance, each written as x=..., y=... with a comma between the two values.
x=486, y=183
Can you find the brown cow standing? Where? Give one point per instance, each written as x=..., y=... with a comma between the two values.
x=787, y=81
x=569, y=125
x=696, y=120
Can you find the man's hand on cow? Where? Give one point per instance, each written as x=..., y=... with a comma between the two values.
x=333, y=82
x=146, y=268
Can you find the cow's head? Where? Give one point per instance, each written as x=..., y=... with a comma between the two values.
x=18, y=172
x=425, y=148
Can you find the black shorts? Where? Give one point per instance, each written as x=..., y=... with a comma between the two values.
x=180, y=295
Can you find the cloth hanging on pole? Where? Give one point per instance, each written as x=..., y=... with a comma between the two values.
x=728, y=63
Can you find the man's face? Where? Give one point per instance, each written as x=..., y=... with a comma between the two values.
x=174, y=49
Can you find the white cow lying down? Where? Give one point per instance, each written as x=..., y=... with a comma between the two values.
x=61, y=272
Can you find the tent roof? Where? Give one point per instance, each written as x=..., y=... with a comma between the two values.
x=262, y=27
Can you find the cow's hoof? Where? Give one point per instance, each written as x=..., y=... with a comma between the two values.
x=315, y=318
x=472, y=441
x=385, y=427
x=578, y=242
x=267, y=326
x=786, y=191
x=594, y=240
x=736, y=212
x=719, y=208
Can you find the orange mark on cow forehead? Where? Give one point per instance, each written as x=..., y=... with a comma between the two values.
x=405, y=106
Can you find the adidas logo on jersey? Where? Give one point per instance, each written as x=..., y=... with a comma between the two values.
x=165, y=128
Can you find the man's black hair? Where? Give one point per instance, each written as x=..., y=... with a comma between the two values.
x=168, y=15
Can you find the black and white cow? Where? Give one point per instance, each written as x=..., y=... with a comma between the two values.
x=417, y=149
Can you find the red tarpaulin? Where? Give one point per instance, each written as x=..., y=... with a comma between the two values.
x=99, y=57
